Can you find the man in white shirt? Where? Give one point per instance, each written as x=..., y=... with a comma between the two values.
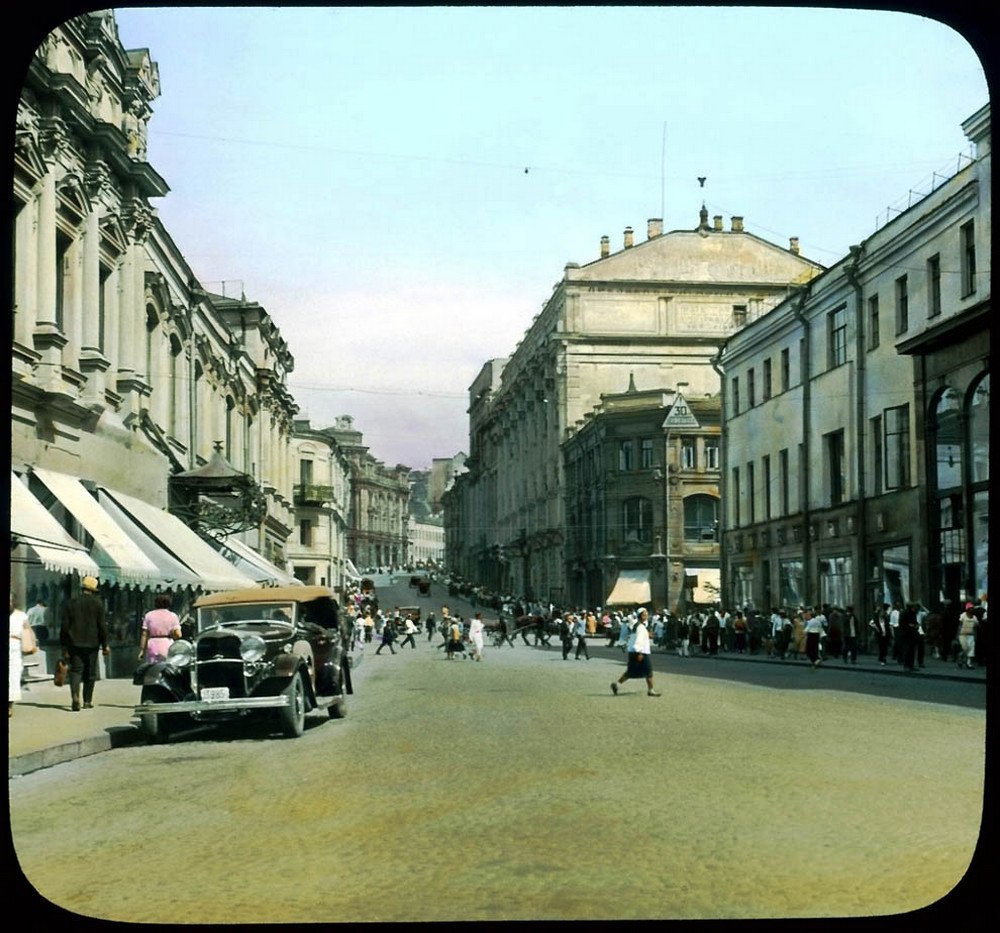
x=476, y=636
x=897, y=640
x=813, y=630
x=38, y=620
x=776, y=623
x=410, y=629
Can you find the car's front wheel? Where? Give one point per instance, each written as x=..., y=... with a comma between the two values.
x=338, y=708
x=153, y=725
x=293, y=716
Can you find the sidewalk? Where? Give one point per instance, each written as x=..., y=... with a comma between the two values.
x=44, y=732
x=934, y=668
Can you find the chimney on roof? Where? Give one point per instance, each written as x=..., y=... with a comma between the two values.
x=793, y=244
x=629, y=238
x=605, y=247
x=737, y=224
x=717, y=220
x=654, y=228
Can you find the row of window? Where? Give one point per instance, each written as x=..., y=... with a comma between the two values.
x=689, y=454
x=836, y=577
x=836, y=326
x=701, y=518
x=766, y=382
x=890, y=440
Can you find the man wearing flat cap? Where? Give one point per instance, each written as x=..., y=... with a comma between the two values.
x=83, y=633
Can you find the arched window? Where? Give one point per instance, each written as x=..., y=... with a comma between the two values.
x=947, y=427
x=701, y=517
x=979, y=493
x=979, y=430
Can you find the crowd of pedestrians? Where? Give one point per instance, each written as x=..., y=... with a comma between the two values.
x=904, y=634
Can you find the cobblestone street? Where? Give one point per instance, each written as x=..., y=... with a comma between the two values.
x=520, y=788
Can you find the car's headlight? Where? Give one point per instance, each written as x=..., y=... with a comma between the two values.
x=180, y=653
x=252, y=648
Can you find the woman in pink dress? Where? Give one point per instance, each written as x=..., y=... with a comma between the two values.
x=160, y=627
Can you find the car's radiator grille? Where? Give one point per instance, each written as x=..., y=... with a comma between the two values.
x=220, y=664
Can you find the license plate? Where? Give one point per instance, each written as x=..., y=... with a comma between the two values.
x=211, y=694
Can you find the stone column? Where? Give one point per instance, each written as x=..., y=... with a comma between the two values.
x=25, y=272
x=92, y=362
x=48, y=337
x=132, y=311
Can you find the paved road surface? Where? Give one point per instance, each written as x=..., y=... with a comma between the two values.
x=520, y=788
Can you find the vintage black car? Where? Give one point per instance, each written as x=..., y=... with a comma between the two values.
x=277, y=653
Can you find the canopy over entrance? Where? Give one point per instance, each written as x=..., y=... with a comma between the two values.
x=631, y=589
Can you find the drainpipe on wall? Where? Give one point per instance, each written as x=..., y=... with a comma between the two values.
x=860, y=353
x=805, y=376
x=723, y=479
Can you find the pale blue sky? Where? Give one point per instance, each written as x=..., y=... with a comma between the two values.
x=360, y=172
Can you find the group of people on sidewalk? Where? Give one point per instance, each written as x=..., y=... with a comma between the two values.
x=83, y=639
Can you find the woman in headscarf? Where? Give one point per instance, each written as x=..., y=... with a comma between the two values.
x=639, y=660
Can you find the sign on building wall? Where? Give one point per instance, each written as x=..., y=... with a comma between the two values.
x=680, y=415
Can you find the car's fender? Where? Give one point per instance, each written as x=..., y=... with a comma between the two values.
x=160, y=673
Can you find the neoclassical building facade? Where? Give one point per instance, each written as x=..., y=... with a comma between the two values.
x=642, y=501
x=659, y=309
x=317, y=551
x=379, y=497
x=856, y=415
x=131, y=383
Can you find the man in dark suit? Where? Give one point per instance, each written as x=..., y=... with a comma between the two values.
x=83, y=633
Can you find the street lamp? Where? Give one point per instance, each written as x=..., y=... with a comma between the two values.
x=669, y=423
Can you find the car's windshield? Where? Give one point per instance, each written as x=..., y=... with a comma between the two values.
x=211, y=616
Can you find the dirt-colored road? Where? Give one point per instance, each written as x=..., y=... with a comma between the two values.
x=520, y=788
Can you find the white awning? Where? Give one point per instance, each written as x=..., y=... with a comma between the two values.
x=630, y=589
x=352, y=571
x=708, y=586
x=32, y=524
x=255, y=565
x=120, y=560
x=173, y=572
x=169, y=532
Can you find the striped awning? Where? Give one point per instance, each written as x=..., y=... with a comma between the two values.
x=244, y=557
x=214, y=572
x=33, y=525
x=118, y=557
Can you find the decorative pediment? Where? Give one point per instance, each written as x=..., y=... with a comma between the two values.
x=73, y=201
x=114, y=240
x=28, y=159
x=700, y=258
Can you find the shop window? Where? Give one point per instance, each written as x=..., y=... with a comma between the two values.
x=896, y=574
x=836, y=581
x=791, y=582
